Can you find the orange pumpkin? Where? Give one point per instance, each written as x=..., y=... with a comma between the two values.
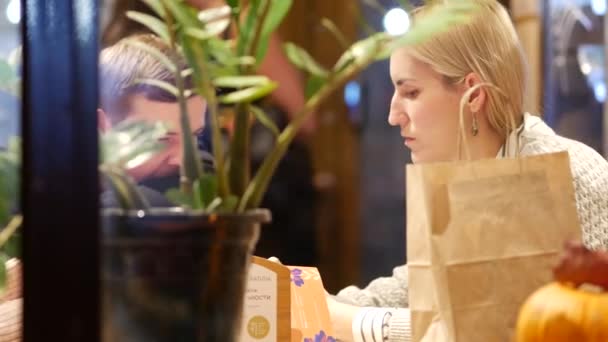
x=558, y=312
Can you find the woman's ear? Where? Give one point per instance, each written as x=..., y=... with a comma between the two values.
x=478, y=97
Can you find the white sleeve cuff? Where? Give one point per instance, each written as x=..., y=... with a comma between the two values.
x=400, y=326
x=371, y=324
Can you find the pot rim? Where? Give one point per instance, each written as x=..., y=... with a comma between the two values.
x=259, y=214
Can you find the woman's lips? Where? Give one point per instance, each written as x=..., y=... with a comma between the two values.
x=408, y=141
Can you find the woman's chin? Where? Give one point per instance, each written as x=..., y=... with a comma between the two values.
x=417, y=158
x=421, y=158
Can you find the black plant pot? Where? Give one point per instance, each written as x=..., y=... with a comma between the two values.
x=174, y=275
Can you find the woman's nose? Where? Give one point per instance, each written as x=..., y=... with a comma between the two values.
x=396, y=114
x=393, y=118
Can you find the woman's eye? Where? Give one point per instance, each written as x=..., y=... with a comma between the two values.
x=412, y=94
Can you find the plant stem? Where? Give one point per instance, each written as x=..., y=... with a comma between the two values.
x=190, y=168
x=252, y=51
x=206, y=89
x=257, y=187
x=239, y=172
x=10, y=229
x=125, y=189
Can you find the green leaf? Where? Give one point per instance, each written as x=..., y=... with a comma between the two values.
x=128, y=195
x=248, y=94
x=300, y=58
x=12, y=246
x=182, y=13
x=198, y=33
x=215, y=203
x=229, y=204
x=9, y=183
x=262, y=48
x=4, y=204
x=7, y=74
x=141, y=156
x=14, y=149
x=216, y=71
x=154, y=24
x=277, y=12
x=187, y=72
x=261, y=116
x=221, y=49
x=10, y=231
x=233, y=3
x=179, y=198
x=3, y=272
x=240, y=81
x=205, y=190
x=166, y=86
x=203, y=34
x=156, y=53
x=214, y=14
x=313, y=85
x=197, y=59
x=247, y=30
x=217, y=27
x=156, y=6
x=130, y=143
x=226, y=205
x=362, y=50
x=239, y=61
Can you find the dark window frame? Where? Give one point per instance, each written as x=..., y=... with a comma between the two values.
x=60, y=181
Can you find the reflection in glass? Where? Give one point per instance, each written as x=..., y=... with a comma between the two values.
x=10, y=161
x=591, y=61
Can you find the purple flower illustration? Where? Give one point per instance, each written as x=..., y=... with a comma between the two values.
x=320, y=337
x=296, y=277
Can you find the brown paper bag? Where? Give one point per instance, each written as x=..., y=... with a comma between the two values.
x=483, y=235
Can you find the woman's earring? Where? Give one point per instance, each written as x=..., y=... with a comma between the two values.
x=475, y=126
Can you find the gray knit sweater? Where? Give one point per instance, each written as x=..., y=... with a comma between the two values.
x=590, y=173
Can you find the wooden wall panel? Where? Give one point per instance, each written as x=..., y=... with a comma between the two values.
x=334, y=147
x=527, y=17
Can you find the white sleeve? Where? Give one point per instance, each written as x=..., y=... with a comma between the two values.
x=373, y=324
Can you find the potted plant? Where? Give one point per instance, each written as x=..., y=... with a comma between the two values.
x=10, y=220
x=10, y=157
x=180, y=273
x=126, y=145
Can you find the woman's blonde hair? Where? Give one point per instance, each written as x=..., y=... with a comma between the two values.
x=487, y=45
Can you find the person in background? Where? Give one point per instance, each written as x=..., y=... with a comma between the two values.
x=289, y=96
x=476, y=69
x=123, y=98
x=291, y=235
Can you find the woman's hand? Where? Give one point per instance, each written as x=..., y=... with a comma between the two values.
x=342, y=316
x=580, y=265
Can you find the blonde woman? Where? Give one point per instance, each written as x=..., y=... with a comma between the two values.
x=481, y=63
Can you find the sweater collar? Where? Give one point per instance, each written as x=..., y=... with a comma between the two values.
x=532, y=126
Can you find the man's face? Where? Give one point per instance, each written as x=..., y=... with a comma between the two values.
x=168, y=160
